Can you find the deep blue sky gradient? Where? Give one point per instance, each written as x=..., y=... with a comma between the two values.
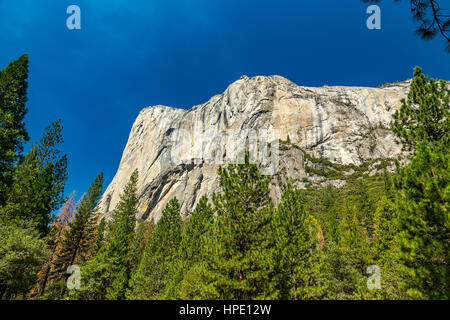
x=130, y=54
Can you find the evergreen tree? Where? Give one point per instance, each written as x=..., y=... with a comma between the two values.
x=388, y=184
x=78, y=243
x=341, y=278
x=153, y=274
x=142, y=235
x=22, y=253
x=100, y=234
x=347, y=249
x=190, y=250
x=296, y=249
x=123, y=220
x=47, y=151
x=365, y=207
x=238, y=253
x=195, y=284
x=422, y=206
x=96, y=275
x=423, y=191
x=355, y=237
x=423, y=116
x=116, y=250
x=54, y=242
x=384, y=226
x=386, y=250
x=13, y=91
x=38, y=181
x=30, y=195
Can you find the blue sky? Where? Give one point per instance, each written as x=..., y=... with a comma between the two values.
x=130, y=54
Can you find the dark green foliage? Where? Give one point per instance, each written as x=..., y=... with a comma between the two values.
x=152, y=276
x=30, y=194
x=297, y=254
x=96, y=275
x=101, y=233
x=114, y=255
x=423, y=117
x=22, y=254
x=189, y=252
x=38, y=181
x=141, y=237
x=333, y=171
x=198, y=225
x=78, y=239
x=47, y=153
x=384, y=226
x=53, y=243
x=123, y=221
x=422, y=189
x=13, y=91
x=238, y=254
x=386, y=249
x=365, y=206
x=422, y=206
x=341, y=278
x=31, y=186
x=346, y=227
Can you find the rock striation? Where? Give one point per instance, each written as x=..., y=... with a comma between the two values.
x=345, y=125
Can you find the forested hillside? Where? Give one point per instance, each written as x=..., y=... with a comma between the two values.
x=379, y=236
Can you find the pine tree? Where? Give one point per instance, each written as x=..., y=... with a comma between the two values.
x=123, y=220
x=341, y=278
x=153, y=274
x=384, y=226
x=347, y=253
x=355, y=237
x=365, y=207
x=238, y=254
x=13, y=91
x=297, y=254
x=423, y=189
x=22, y=253
x=30, y=194
x=388, y=184
x=78, y=243
x=38, y=181
x=422, y=206
x=386, y=250
x=100, y=234
x=189, y=252
x=424, y=115
x=141, y=237
x=118, y=240
x=54, y=241
x=47, y=151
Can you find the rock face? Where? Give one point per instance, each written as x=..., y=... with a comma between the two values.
x=176, y=150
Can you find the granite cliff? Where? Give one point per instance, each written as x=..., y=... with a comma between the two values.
x=345, y=126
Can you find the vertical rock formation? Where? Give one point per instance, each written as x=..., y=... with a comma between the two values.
x=173, y=148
